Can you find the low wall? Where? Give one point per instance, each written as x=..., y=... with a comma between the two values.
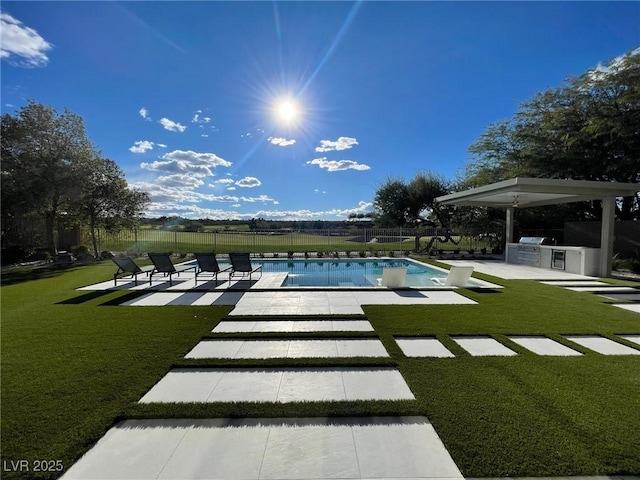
x=626, y=240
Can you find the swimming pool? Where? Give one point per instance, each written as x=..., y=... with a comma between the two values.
x=348, y=272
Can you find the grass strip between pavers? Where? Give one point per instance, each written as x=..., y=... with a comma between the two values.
x=73, y=364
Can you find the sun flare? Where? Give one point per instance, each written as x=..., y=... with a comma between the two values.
x=287, y=111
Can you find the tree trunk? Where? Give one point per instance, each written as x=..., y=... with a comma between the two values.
x=50, y=222
x=94, y=240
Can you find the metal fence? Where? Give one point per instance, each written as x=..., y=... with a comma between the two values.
x=276, y=242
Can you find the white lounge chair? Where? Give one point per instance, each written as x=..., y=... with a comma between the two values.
x=458, y=276
x=393, y=277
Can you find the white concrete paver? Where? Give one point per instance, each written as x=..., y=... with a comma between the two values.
x=311, y=348
x=621, y=296
x=632, y=307
x=279, y=385
x=544, y=346
x=631, y=338
x=392, y=448
x=604, y=289
x=483, y=346
x=602, y=345
x=574, y=283
x=423, y=347
x=299, y=302
x=274, y=326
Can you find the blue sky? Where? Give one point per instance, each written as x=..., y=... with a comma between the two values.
x=295, y=110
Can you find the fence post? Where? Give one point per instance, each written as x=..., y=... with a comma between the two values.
x=175, y=241
x=215, y=241
x=135, y=238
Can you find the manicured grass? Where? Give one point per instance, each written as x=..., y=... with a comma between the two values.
x=73, y=364
x=70, y=371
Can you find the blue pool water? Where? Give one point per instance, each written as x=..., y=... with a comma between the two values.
x=347, y=272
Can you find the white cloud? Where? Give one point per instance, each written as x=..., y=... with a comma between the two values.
x=171, y=125
x=283, y=142
x=195, y=158
x=225, y=180
x=261, y=198
x=343, y=143
x=194, y=163
x=21, y=45
x=144, y=113
x=180, y=180
x=190, y=210
x=161, y=145
x=141, y=146
x=231, y=188
x=204, y=135
x=249, y=182
x=173, y=166
x=337, y=165
x=198, y=119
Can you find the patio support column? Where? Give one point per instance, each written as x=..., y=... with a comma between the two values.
x=509, y=225
x=606, y=235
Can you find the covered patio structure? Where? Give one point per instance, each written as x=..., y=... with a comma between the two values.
x=536, y=192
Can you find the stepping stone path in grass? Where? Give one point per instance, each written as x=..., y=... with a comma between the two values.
x=544, y=346
x=423, y=347
x=324, y=348
x=287, y=449
x=483, y=346
x=629, y=306
x=602, y=345
x=279, y=385
x=631, y=338
x=230, y=326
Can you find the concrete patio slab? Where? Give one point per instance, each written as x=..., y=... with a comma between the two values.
x=632, y=297
x=392, y=448
x=629, y=306
x=631, y=338
x=231, y=326
x=288, y=302
x=602, y=345
x=483, y=346
x=574, y=283
x=423, y=347
x=604, y=289
x=544, y=346
x=319, y=348
x=510, y=271
x=279, y=385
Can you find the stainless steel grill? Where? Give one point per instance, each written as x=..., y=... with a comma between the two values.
x=535, y=241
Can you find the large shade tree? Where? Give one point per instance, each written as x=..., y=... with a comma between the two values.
x=106, y=201
x=587, y=129
x=42, y=157
x=51, y=170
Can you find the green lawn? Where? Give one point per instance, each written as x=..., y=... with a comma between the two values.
x=74, y=363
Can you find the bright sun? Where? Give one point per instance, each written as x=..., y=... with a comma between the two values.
x=287, y=111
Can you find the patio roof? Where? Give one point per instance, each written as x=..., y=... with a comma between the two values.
x=537, y=192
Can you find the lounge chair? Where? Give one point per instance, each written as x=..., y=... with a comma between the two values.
x=126, y=268
x=393, y=277
x=241, y=266
x=207, y=263
x=458, y=276
x=162, y=264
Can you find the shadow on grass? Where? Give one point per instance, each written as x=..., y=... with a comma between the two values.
x=84, y=298
x=125, y=298
x=26, y=274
